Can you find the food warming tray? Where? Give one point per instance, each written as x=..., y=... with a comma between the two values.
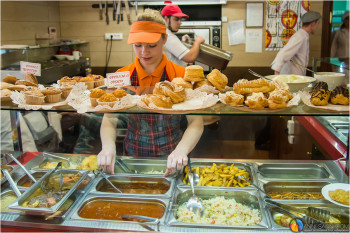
x=250, y=198
x=46, y=211
x=144, y=166
x=5, y=194
x=25, y=178
x=124, y=179
x=11, y=169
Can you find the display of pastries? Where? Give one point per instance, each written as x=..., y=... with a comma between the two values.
x=158, y=100
x=120, y=93
x=194, y=73
x=176, y=93
x=234, y=99
x=340, y=95
x=218, y=79
x=244, y=86
x=182, y=83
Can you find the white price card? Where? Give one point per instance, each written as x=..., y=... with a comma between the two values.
x=119, y=79
x=28, y=67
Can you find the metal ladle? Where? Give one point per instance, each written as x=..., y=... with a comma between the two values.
x=194, y=204
x=195, y=175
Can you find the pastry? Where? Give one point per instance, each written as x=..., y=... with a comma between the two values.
x=94, y=95
x=256, y=100
x=318, y=86
x=26, y=83
x=244, y=86
x=30, y=78
x=10, y=79
x=234, y=99
x=4, y=85
x=5, y=94
x=52, y=95
x=89, y=82
x=66, y=89
x=18, y=88
x=194, y=73
x=107, y=99
x=176, y=93
x=202, y=83
x=340, y=95
x=34, y=97
x=280, y=85
x=120, y=93
x=67, y=81
x=158, y=100
x=182, y=83
x=99, y=80
x=218, y=79
x=320, y=98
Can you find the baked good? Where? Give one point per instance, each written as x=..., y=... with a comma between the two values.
x=26, y=83
x=320, y=98
x=30, y=78
x=89, y=82
x=278, y=99
x=34, y=97
x=4, y=85
x=67, y=81
x=52, y=94
x=280, y=85
x=5, y=94
x=256, y=100
x=182, y=83
x=234, y=99
x=120, y=93
x=194, y=73
x=244, y=86
x=318, y=86
x=218, y=79
x=340, y=195
x=158, y=100
x=94, y=95
x=107, y=99
x=176, y=93
x=99, y=80
x=18, y=88
x=202, y=83
x=10, y=79
x=340, y=95
x=66, y=89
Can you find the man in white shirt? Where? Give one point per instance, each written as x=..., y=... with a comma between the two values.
x=175, y=50
x=297, y=47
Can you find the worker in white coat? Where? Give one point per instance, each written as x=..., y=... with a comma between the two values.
x=297, y=47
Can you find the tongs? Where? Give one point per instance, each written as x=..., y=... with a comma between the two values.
x=319, y=214
x=145, y=218
x=125, y=167
x=21, y=165
x=257, y=75
x=45, y=182
x=12, y=183
x=66, y=160
x=100, y=171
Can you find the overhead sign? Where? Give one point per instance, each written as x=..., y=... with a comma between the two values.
x=119, y=79
x=28, y=67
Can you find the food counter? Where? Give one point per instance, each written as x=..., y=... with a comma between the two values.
x=272, y=176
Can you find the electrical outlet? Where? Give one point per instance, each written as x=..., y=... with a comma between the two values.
x=115, y=36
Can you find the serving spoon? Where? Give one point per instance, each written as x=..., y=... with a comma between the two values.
x=240, y=177
x=194, y=204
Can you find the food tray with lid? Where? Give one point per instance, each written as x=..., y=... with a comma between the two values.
x=294, y=171
x=249, y=198
x=10, y=168
x=337, y=212
x=110, y=209
x=135, y=185
x=200, y=163
x=17, y=205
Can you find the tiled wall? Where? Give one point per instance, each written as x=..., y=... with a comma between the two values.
x=78, y=20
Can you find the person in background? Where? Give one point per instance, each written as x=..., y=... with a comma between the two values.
x=297, y=47
x=340, y=43
x=175, y=50
x=150, y=135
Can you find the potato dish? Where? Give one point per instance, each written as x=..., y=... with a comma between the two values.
x=222, y=176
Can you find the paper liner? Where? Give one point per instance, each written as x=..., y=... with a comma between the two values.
x=195, y=101
x=124, y=103
x=19, y=99
x=293, y=102
x=305, y=97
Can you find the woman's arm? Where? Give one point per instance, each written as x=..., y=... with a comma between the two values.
x=178, y=158
x=108, y=133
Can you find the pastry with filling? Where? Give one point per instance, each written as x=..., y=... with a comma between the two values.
x=244, y=86
x=182, y=83
x=340, y=95
x=218, y=79
x=278, y=99
x=318, y=86
x=256, y=101
x=194, y=73
x=158, y=100
x=234, y=99
x=176, y=93
x=320, y=98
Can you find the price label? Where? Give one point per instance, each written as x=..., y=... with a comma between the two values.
x=28, y=67
x=119, y=79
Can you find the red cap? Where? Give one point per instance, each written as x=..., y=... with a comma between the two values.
x=173, y=10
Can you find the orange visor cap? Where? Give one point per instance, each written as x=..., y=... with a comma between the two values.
x=146, y=32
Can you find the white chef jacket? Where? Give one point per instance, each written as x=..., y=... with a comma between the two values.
x=174, y=49
x=340, y=44
x=297, y=49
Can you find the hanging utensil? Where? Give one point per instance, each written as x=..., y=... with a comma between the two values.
x=114, y=10
x=21, y=165
x=45, y=182
x=101, y=10
x=12, y=183
x=127, y=11
x=100, y=171
x=107, y=17
x=240, y=177
x=295, y=63
x=118, y=10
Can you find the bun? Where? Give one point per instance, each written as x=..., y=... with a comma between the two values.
x=26, y=83
x=176, y=93
x=194, y=73
x=30, y=78
x=218, y=79
x=234, y=99
x=10, y=79
x=158, y=100
x=182, y=83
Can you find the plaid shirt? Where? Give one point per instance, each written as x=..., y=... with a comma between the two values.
x=151, y=135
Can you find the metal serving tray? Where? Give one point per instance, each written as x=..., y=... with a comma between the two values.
x=123, y=178
x=46, y=211
x=300, y=171
x=250, y=198
x=11, y=169
x=198, y=163
x=24, y=178
x=293, y=186
x=122, y=199
x=341, y=213
x=5, y=194
x=143, y=166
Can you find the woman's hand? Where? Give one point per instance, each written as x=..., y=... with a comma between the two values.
x=106, y=160
x=176, y=161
